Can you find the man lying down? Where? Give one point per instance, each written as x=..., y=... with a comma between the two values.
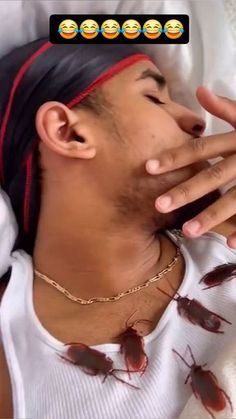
x=93, y=320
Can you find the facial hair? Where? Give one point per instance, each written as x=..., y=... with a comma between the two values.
x=136, y=202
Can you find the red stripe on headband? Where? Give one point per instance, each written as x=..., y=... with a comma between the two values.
x=116, y=68
x=15, y=84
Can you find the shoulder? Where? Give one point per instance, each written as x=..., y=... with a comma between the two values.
x=3, y=286
x=6, y=407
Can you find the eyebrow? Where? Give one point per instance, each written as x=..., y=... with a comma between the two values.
x=158, y=78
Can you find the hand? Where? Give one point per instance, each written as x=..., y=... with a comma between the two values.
x=207, y=180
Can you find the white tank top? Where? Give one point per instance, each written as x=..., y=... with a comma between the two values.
x=45, y=386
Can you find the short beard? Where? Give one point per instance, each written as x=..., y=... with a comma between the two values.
x=136, y=205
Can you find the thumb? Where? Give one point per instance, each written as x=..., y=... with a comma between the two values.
x=219, y=106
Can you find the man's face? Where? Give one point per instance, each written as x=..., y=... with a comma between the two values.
x=143, y=129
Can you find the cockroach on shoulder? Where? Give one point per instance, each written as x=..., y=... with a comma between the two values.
x=205, y=386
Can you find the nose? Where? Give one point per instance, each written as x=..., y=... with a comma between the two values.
x=189, y=121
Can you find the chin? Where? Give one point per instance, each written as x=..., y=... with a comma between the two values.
x=136, y=202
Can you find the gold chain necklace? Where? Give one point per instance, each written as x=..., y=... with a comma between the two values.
x=115, y=297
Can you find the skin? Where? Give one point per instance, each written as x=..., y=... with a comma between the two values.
x=98, y=220
x=218, y=175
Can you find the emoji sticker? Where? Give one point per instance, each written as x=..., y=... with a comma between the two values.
x=173, y=29
x=68, y=29
x=131, y=29
x=89, y=29
x=110, y=29
x=152, y=29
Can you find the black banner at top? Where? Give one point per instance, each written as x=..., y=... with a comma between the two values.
x=119, y=29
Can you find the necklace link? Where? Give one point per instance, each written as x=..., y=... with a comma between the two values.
x=115, y=297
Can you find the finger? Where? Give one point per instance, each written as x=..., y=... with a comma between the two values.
x=197, y=149
x=212, y=216
x=231, y=240
x=219, y=106
x=199, y=185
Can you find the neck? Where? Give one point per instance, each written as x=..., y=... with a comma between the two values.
x=98, y=264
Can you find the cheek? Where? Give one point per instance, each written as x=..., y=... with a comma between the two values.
x=148, y=139
x=150, y=131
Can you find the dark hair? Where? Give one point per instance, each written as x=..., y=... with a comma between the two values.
x=30, y=76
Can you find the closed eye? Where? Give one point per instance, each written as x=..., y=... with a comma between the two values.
x=155, y=100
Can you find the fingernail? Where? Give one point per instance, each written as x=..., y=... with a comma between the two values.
x=153, y=165
x=192, y=226
x=164, y=201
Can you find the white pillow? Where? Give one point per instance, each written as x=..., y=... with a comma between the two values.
x=8, y=231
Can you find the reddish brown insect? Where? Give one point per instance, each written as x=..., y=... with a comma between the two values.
x=219, y=275
x=196, y=313
x=91, y=361
x=205, y=386
x=132, y=346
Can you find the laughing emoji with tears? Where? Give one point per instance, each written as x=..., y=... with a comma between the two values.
x=152, y=29
x=89, y=29
x=68, y=29
x=110, y=29
x=173, y=29
x=131, y=29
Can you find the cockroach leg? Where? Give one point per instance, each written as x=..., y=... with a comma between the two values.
x=187, y=378
x=125, y=382
x=228, y=398
x=145, y=367
x=222, y=318
x=210, y=413
x=181, y=358
x=72, y=343
x=126, y=323
x=191, y=353
x=66, y=359
x=140, y=320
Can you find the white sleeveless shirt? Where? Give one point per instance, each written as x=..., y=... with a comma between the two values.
x=45, y=386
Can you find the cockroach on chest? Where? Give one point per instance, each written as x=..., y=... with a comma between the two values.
x=205, y=386
x=132, y=346
x=92, y=361
x=219, y=275
x=196, y=313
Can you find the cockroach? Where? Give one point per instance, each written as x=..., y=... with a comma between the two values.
x=132, y=346
x=92, y=361
x=205, y=386
x=196, y=313
x=219, y=275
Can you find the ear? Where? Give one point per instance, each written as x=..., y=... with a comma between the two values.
x=65, y=131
